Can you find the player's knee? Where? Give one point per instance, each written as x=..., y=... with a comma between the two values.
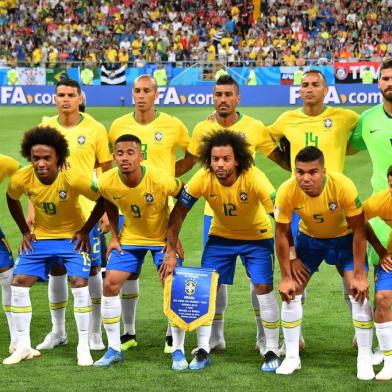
x=133, y=276
x=23, y=280
x=77, y=282
x=383, y=301
x=263, y=288
x=110, y=288
x=58, y=270
x=95, y=270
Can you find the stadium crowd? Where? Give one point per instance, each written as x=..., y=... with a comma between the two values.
x=136, y=32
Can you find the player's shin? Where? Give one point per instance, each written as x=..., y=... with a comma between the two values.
x=291, y=325
x=217, y=331
x=95, y=288
x=111, y=313
x=129, y=301
x=384, y=336
x=271, y=321
x=5, y=283
x=203, y=337
x=260, y=337
x=82, y=310
x=178, y=338
x=21, y=315
x=58, y=298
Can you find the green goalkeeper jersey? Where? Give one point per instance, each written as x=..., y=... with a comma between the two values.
x=374, y=133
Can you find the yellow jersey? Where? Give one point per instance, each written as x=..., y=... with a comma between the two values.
x=329, y=131
x=58, y=213
x=8, y=166
x=380, y=204
x=241, y=210
x=253, y=130
x=145, y=207
x=88, y=144
x=159, y=138
x=323, y=216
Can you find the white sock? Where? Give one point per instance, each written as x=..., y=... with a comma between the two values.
x=58, y=298
x=291, y=325
x=82, y=311
x=363, y=323
x=384, y=336
x=256, y=307
x=95, y=288
x=347, y=297
x=21, y=314
x=203, y=337
x=217, y=330
x=178, y=338
x=5, y=283
x=111, y=314
x=271, y=321
x=129, y=300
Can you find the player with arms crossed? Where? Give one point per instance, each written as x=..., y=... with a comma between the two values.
x=88, y=148
x=60, y=231
x=380, y=205
x=331, y=228
x=161, y=134
x=241, y=198
x=226, y=97
x=141, y=193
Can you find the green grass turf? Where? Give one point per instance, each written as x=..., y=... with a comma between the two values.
x=329, y=362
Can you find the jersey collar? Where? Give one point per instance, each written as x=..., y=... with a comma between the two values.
x=386, y=113
x=81, y=118
x=157, y=114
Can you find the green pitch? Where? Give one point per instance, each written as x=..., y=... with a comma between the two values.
x=329, y=362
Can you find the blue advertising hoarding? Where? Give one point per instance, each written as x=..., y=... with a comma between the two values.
x=347, y=94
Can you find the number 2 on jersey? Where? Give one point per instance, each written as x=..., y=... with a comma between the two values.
x=229, y=209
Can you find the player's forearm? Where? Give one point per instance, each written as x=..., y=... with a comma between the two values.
x=112, y=213
x=359, y=250
x=16, y=211
x=278, y=157
x=374, y=241
x=176, y=219
x=282, y=245
x=95, y=216
x=185, y=164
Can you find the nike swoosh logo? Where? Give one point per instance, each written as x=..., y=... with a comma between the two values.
x=299, y=208
x=86, y=269
x=31, y=194
x=374, y=130
x=214, y=195
x=117, y=197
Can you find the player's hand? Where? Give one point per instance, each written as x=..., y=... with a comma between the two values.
x=386, y=262
x=212, y=117
x=82, y=240
x=300, y=273
x=104, y=225
x=26, y=244
x=287, y=289
x=179, y=250
x=30, y=218
x=114, y=244
x=359, y=288
x=168, y=265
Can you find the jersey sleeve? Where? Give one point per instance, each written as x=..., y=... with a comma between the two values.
x=102, y=146
x=350, y=199
x=352, y=119
x=174, y=186
x=183, y=136
x=8, y=166
x=370, y=207
x=275, y=130
x=193, y=190
x=194, y=142
x=283, y=209
x=265, y=191
x=356, y=139
x=15, y=187
x=266, y=143
x=83, y=185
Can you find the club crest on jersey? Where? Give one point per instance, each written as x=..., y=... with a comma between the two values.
x=62, y=194
x=81, y=139
x=243, y=196
x=158, y=136
x=149, y=197
x=190, y=287
x=332, y=205
x=327, y=123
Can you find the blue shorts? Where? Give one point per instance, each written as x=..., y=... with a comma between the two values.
x=95, y=244
x=120, y=222
x=48, y=252
x=257, y=257
x=6, y=259
x=132, y=259
x=382, y=279
x=206, y=228
x=336, y=251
